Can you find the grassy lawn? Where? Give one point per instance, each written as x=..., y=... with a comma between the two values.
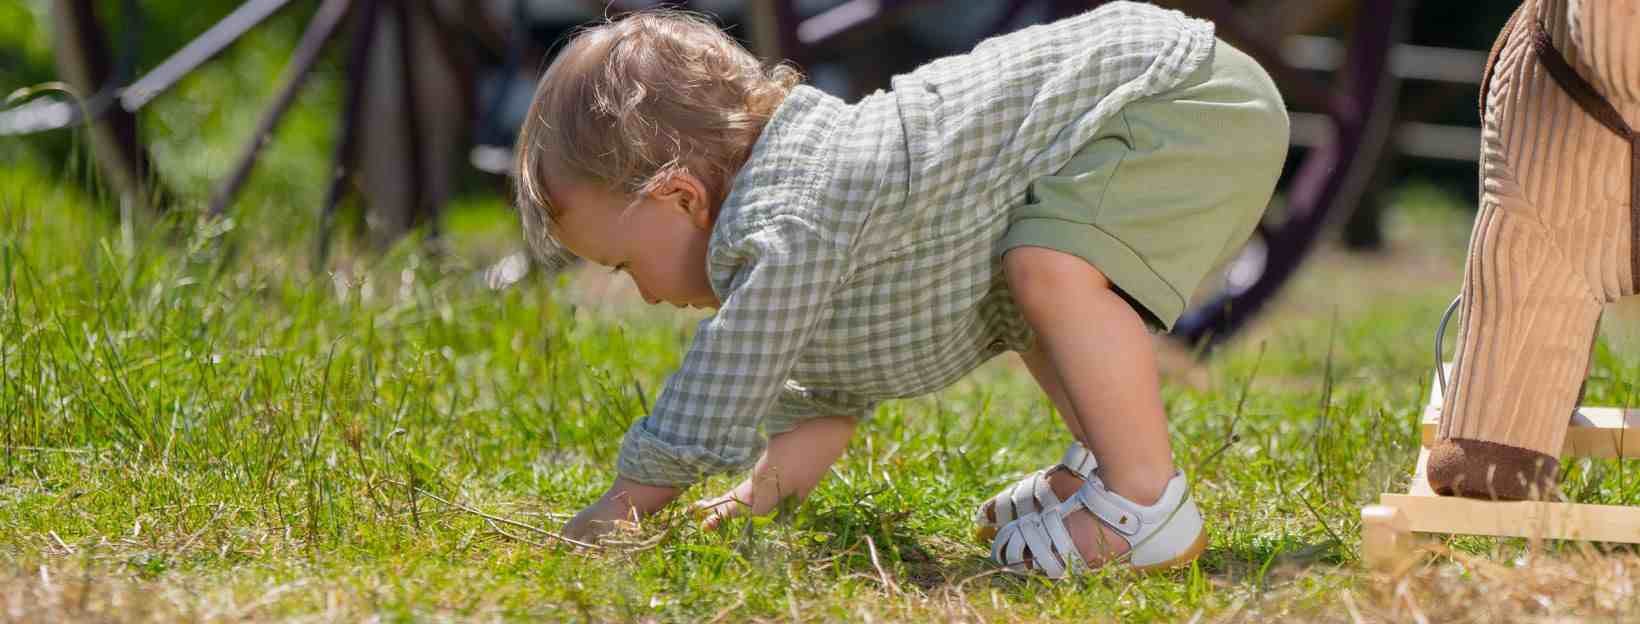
x=200, y=427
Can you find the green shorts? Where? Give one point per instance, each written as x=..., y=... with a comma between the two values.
x=1171, y=189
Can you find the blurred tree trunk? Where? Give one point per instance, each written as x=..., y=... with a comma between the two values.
x=86, y=63
x=417, y=115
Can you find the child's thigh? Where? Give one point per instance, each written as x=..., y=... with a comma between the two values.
x=1172, y=189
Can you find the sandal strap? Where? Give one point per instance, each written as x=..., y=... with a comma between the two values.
x=1026, y=496
x=1008, y=549
x=1022, y=495
x=1006, y=506
x=1033, y=493
x=1104, y=505
x=1043, y=548
x=1063, y=546
x=1079, y=460
x=1155, y=533
x=1052, y=550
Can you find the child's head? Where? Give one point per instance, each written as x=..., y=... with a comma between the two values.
x=635, y=131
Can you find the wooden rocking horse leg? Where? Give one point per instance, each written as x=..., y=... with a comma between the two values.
x=1552, y=242
x=1529, y=321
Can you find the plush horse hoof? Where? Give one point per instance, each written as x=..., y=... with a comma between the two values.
x=1491, y=471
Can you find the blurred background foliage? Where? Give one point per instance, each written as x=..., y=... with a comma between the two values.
x=195, y=130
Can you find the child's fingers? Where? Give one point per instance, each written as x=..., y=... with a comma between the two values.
x=711, y=522
x=706, y=506
x=713, y=511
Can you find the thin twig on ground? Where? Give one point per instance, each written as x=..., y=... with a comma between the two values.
x=1230, y=436
x=195, y=537
x=517, y=538
x=887, y=582
x=60, y=543
x=47, y=449
x=536, y=530
x=738, y=603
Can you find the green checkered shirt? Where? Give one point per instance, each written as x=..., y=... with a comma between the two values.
x=856, y=253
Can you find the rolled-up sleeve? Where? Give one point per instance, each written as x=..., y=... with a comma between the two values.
x=707, y=419
x=798, y=403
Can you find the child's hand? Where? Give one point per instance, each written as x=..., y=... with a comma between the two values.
x=791, y=466
x=740, y=500
x=597, y=519
x=713, y=511
x=625, y=501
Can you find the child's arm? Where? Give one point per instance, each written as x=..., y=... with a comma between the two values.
x=793, y=464
x=709, y=415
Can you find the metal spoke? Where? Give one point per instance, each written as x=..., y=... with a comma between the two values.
x=319, y=33
x=358, y=61
x=201, y=49
x=412, y=114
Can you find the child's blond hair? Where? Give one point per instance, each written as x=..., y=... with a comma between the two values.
x=634, y=100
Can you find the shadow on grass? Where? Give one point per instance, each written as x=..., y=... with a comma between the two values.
x=1253, y=563
x=845, y=536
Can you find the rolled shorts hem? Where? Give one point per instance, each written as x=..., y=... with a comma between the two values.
x=1156, y=300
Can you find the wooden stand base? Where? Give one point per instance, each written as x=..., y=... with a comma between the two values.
x=1387, y=528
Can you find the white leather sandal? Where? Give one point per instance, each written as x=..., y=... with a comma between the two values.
x=1167, y=534
x=1032, y=493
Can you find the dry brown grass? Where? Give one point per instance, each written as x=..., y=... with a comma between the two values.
x=67, y=593
x=1577, y=583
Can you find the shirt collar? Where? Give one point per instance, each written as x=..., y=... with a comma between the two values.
x=789, y=162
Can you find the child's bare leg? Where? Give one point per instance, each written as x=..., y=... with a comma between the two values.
x=792, y=465
x=1103, y=359
x=1047, y=378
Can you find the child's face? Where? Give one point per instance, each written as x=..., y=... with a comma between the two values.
x=659, y=239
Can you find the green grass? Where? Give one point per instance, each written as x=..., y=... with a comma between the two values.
x=174, y=419
x=199, y=427
x=193, y=434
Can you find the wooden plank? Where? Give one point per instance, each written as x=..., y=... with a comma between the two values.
x=1603, y=432
x=1606, y=432
x=1594, y=432
x=1415, y=62
x=1420, y=476
x=1565, y=521
x=1424, y=140
x=1431, y=423
x=1385, y=539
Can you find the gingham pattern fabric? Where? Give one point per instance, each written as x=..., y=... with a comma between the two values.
x=856, y=253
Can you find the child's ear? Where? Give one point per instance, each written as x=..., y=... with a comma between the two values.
x=685, y=192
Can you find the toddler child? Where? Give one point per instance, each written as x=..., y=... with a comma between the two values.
x=1055, y=192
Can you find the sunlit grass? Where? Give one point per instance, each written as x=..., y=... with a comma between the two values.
x=202, y=426
x=193, y=434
